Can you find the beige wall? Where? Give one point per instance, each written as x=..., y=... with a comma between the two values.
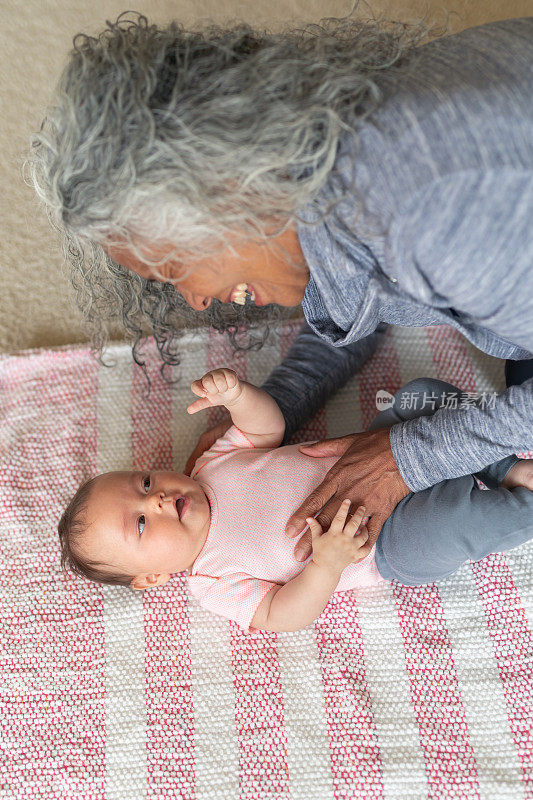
x=36, y=307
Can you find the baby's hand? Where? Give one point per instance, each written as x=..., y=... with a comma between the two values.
x=345, y=541
x=220, y=387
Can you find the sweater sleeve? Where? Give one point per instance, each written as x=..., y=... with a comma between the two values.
x=312, y=371
x=454, y=245
x=455, y=442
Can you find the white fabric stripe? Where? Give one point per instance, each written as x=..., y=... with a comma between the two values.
x=126, y=767
x=216, y=749
x=486, y=710
x=415, y=359
x=488, y=371
x=392, y=707
x=308, y=754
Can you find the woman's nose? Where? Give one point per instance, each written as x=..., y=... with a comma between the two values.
x=197, y=301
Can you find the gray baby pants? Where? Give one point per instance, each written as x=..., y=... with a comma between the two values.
x=431, y=533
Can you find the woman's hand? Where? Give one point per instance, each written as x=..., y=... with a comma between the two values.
x=366, y=473
x=345, y=542
x=206, y=441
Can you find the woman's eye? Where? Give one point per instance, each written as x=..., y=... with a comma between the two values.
x=146, y=483
x=141, y=522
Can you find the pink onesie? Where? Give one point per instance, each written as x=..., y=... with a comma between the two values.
x=253, y=492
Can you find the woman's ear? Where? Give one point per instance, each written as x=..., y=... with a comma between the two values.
x=142, y=582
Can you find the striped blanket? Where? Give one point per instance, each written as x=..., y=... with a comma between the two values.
x=393, y=693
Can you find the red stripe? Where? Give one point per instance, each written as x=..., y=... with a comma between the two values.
x=353, y=739
x=53, y=648
x=443, y=730
x=259, y=708
x=169, y=698
x=512, y=643
x=259, y=715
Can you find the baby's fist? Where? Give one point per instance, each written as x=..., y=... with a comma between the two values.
x=219, y=387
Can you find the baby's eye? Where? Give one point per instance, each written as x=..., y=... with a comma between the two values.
x=146, y=483
x=141, y=522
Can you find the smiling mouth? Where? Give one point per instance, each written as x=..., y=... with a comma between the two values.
x=240, y=292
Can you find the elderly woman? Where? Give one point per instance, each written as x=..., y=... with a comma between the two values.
x=339, y=167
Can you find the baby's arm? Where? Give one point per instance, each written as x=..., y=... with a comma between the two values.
x=300, y=601
x=252, y=410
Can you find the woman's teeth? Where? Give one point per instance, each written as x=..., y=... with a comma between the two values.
x=238, y=295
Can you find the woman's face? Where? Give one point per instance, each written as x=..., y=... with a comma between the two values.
x=269, y=276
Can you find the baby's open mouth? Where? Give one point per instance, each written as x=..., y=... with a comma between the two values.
x=180, y=502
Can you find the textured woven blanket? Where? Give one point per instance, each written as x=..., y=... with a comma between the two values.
x=393, y=693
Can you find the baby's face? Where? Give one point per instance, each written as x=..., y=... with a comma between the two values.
x=146, y=523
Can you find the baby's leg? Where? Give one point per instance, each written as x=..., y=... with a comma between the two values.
x=431, y=533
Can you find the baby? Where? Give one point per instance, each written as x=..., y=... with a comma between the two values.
x=224, y=525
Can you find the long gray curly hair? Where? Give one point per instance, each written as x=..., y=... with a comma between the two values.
x=192, y=136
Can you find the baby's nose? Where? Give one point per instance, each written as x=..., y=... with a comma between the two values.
x=162, y=499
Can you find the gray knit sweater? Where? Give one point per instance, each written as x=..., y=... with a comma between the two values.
x=437, y=228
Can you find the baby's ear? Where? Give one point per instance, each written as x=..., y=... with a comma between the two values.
x=142, y=582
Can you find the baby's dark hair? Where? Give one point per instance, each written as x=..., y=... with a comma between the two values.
x=71, y=527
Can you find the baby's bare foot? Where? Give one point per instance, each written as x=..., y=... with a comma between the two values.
x=521, y=474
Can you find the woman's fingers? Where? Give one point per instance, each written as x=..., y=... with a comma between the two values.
x=315, y=528
x=314, y=503
x=355, y=521
x=304, y=546
x=375, y=525
x=366, y=472
x=328, y=512
x=327, y=447
x=362, y=536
